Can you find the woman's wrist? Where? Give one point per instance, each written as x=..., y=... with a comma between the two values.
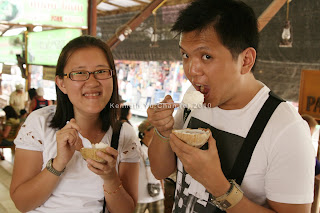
x=57, y=165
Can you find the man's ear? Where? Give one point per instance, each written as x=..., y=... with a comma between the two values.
x=60, y=83
x=249, y=58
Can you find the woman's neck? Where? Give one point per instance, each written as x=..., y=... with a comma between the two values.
x=90, y=127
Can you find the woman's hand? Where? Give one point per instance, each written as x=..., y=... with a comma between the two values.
x=68, y=141
x=106, y=170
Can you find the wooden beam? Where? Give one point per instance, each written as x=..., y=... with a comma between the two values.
x=116, y=5
x=133, y=23
x=268, y=14
x=140, y=2
x=138, y=8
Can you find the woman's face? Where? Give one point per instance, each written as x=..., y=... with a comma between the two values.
x=92, y=95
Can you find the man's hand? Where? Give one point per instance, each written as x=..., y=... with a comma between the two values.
x=160, y=115
x=203, y=165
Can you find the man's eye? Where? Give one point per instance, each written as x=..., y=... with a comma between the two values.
x=206, y=57
x=184, y=55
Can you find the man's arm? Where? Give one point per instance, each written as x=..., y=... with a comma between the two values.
x=162, y=158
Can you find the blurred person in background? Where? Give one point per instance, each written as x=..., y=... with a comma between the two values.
x=125, y=114
x=18, y=99
x=151, y=190
x=10, y=128
x=23, y=116
x=38, y=101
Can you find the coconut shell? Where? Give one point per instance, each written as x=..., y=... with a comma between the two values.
x=193, y=137
x=91, y=153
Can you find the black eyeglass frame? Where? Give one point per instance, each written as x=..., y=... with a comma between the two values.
x=65, y=75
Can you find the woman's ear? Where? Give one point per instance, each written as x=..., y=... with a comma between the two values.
x=60, y=83
x=249, y=58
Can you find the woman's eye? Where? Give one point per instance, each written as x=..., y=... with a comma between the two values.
x=184, y=55
x=206, y=57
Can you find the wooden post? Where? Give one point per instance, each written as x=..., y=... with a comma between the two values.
x=92, y=17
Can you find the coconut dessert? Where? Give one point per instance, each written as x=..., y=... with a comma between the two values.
x=193, y=137
x=92, y=152
x=193, y=99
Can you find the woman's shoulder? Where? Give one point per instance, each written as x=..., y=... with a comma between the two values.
x=42, y=114
x=127, y=129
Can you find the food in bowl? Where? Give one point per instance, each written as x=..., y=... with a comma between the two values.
x=193, y=137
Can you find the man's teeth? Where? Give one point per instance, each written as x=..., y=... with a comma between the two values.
x=201, y=87
x=92, y=94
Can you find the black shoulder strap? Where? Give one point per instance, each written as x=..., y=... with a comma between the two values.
x=114, y=144
x=257, y=128
x=186, y=113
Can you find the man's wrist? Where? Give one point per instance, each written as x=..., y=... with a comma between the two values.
x=231, y=198
x=162, y=137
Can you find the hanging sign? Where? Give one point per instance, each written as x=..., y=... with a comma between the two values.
x=49, y=73
x=309, y=98
x=6, y=69
x=9, y=47
x=44, y=47
x=58, y=13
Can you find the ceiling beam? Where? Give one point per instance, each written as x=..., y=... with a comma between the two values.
x=116, y=5
x=268, y=14
x=133, y=23
x=137, y=8
x=140, y=2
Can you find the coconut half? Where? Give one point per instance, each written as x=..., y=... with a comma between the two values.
x=91, y=153
x=193, y=137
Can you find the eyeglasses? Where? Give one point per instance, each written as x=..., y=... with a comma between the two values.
x=84, y=75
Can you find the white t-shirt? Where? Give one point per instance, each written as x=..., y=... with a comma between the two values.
x=282, y=164
x=79, y=189
x=145, y=170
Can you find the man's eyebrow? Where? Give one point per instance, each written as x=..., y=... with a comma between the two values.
x=180, y=47
x=199, y=48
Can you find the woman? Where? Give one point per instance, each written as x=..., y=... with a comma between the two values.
x=153, y=200
x=125, y=114
x=10, y=129
x=50, y=174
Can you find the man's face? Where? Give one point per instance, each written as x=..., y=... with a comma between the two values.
x=210, y=67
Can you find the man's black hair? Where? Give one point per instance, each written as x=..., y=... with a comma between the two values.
x=234, y=22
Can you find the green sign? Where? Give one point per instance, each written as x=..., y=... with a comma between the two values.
x=9, y=47
x=59, y=13
x=44, y=47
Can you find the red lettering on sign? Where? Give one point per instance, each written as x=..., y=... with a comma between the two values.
x=56, y=18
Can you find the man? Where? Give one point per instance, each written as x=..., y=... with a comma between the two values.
x=218, y=44
x=18, y=99
x=38, y=101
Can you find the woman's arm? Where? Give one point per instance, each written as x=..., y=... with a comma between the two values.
x=125, y=199
x=31, y=187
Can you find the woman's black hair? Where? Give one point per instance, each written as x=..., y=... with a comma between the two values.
x=10, y=112
x=64, y=111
